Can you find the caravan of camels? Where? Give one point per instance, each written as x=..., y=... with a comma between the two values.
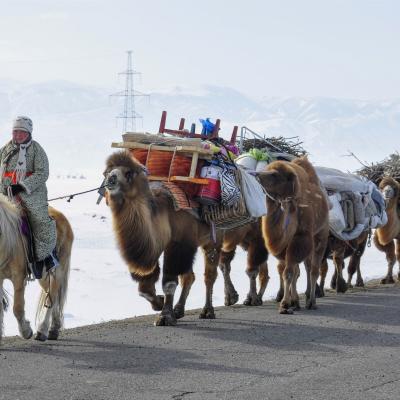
x=169, y=195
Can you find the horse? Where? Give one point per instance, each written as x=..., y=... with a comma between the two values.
x=14, y=266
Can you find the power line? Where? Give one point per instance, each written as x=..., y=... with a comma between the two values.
x=129, y=114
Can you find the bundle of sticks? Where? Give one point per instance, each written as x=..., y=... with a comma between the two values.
x=390, y=166
x=276, y=144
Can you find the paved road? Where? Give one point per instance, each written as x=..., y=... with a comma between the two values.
x=347, y=349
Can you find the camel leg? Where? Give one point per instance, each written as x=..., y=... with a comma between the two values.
x=341, y=285
x=231, y=295
x=288, y=276
x=24, y=326
x=322, y=273
x=211, y=258
x=263, y=279
x=390, y=253
x=147, y=288
x=178, y=260
x=186, y=282
x=280, y=268
x=295, y=304
x=256, y=256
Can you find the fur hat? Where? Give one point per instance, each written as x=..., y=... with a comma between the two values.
x=23, y=123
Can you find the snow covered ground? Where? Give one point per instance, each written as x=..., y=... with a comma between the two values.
x=100, y=286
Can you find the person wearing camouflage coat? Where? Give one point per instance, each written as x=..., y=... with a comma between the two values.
x=24, y=171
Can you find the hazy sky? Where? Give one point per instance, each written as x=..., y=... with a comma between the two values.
x=339, y=48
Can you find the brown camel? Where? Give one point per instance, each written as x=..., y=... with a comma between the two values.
x=296, y=227
x=338, y=250
x=146, y=225
x=386, y=236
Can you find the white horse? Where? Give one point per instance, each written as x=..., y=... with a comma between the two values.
x=13, y=266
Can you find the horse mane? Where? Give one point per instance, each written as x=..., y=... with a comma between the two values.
x=10, y=232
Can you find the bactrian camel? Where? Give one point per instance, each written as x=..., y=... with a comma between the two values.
x=296, y=227
x=386, y=236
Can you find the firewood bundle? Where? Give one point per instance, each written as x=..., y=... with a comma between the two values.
x=290, y=146
x=390, y=166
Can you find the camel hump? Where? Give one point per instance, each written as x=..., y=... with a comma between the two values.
x=307, y=166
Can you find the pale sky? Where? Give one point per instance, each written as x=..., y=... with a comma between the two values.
x=335, y=48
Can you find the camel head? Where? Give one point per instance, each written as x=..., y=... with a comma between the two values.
x=125, y=177
x=390, y=190
x=280, y=180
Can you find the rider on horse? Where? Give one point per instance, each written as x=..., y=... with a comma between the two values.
x=24, y=169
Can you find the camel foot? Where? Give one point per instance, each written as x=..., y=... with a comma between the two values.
x=349, y=285
x=41, y=337
x=360, y=283
x=253, y=300
x=231, y=298
x=207, y=313
x=285, y=309
x=333, y=283
x=295, y=305
x=311, y=305
x=179, y=311
x=165, y=320
x=341, y=286
x=158, y=303
x=387, y=280
x=279, y=296
x=319, y=291
x=53, y=334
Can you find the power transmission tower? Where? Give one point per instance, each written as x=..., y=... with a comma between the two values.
x=129, y=115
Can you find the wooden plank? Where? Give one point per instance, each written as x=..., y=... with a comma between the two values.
x=193, y=166
x=180, y=149
x=199, y=181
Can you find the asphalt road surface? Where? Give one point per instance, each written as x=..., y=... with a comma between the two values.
x=347, y=349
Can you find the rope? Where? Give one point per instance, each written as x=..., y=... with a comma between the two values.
x=71, y=196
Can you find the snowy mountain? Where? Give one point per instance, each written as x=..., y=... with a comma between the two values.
x=76, y=123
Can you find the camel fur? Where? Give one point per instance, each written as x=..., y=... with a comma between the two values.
x=296, y=227
x=386, y=236
x=147, y=225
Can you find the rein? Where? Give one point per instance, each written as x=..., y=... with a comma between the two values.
x=69, y=197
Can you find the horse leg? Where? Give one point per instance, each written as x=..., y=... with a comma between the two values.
x=322, y=273
x=211, y=257
x=178, y=260
x=47, y=303
x=226, y=257
x=24, y=326
x=280, y=268
x=390, y=253
x=147, y=288
x=186, y=282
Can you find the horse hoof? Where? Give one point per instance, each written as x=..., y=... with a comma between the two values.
x=165, y=320
x=387, y=280
x=158, y=304
x=350, y=286
x=295, y=306
x=53, y=334
x=40, y=337
x=179, y=311
x=231, y=299
x=279, y=297
x=28, y=334
x=360, y=283
x=285, y=309
x=207, y=313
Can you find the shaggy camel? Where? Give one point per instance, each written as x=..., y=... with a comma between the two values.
x=296, y=227
x=338, y=251
x=14, y=267
x=385, y=237
x=147, y=225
